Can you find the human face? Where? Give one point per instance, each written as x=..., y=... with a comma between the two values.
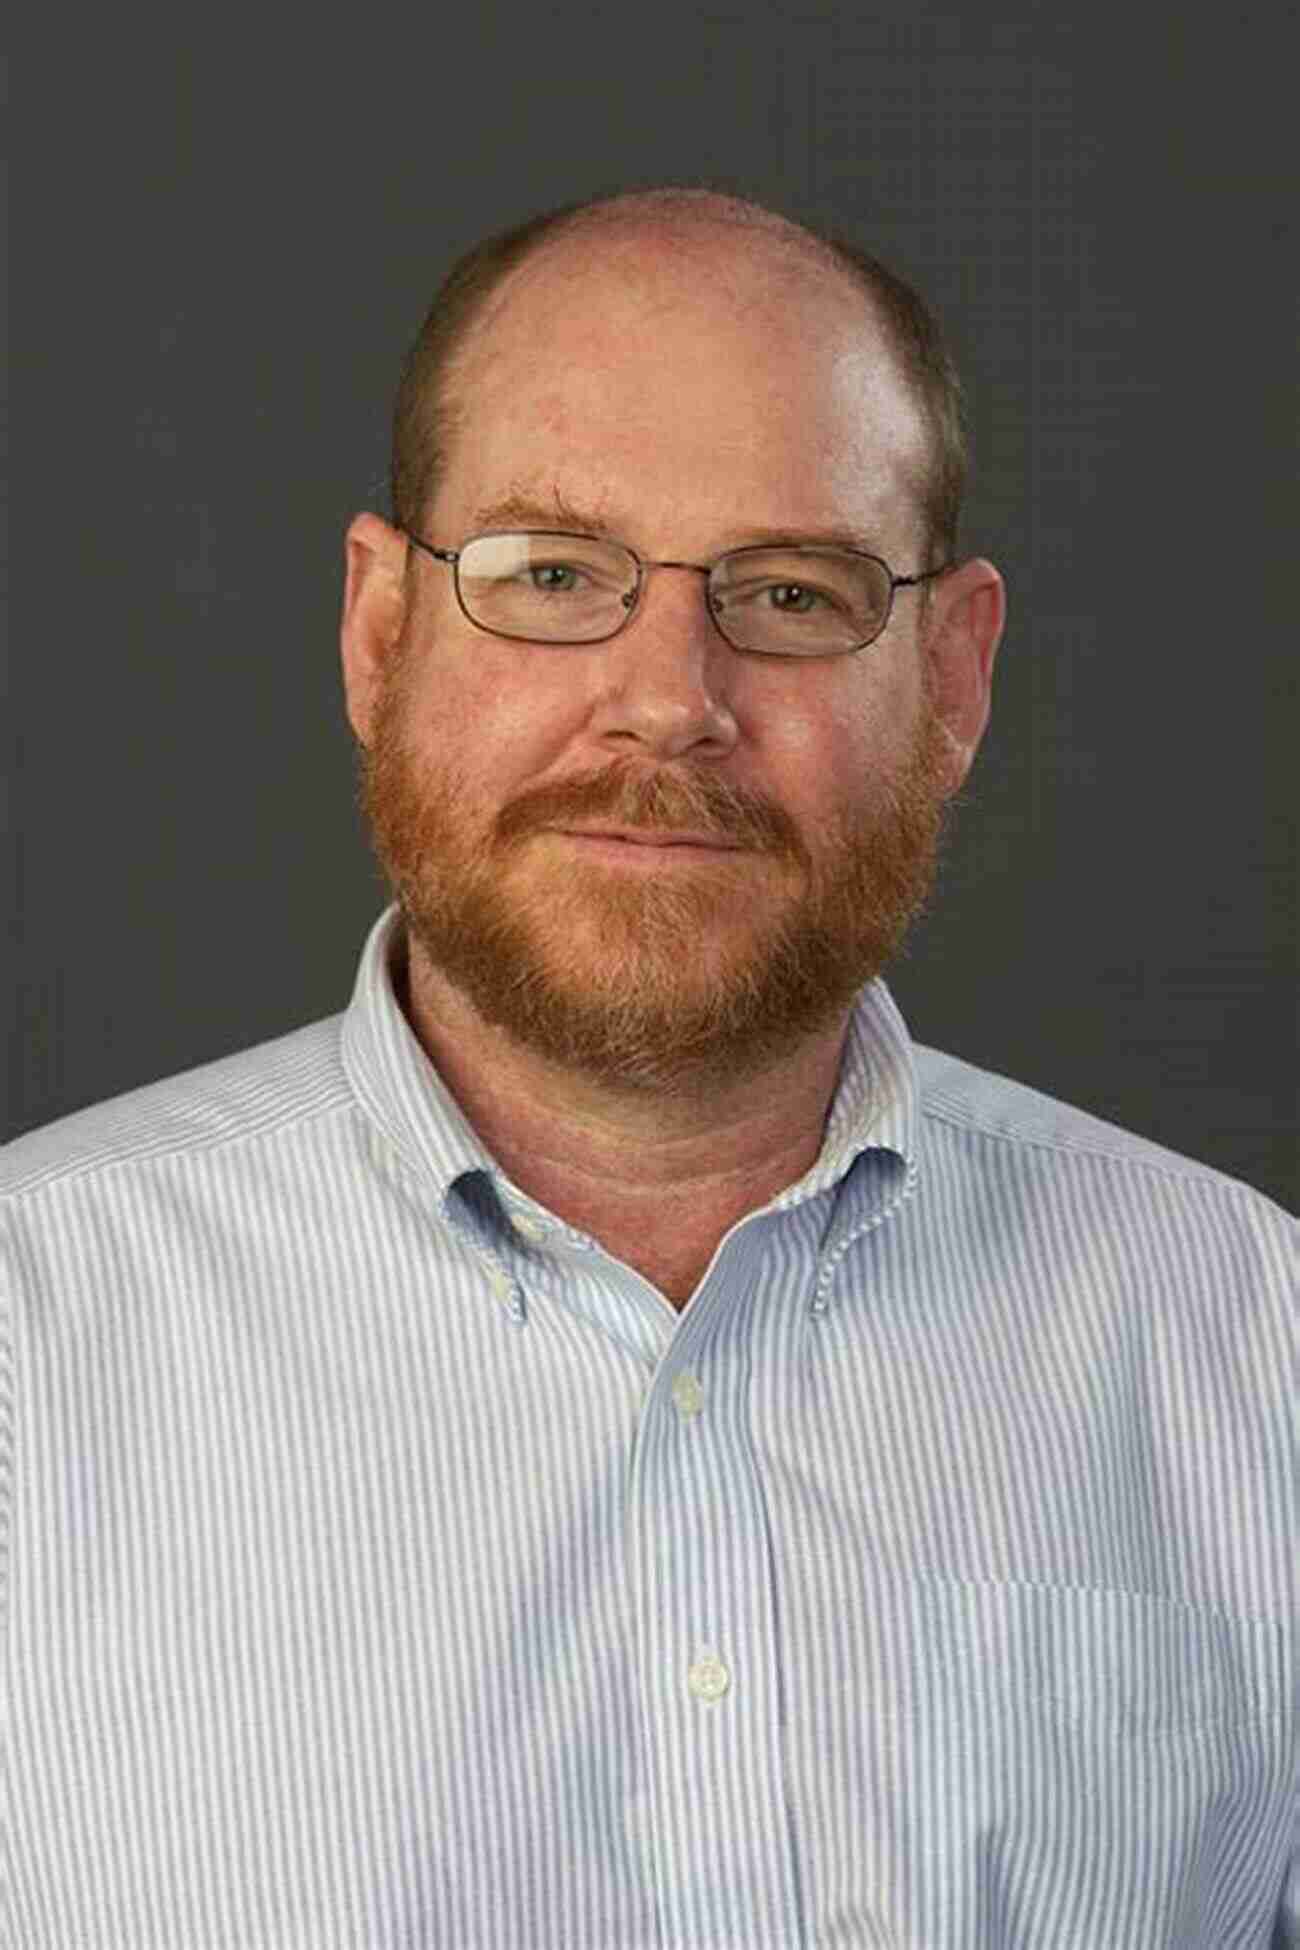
x=689, y=403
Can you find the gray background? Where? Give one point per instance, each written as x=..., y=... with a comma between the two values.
x=239, y=230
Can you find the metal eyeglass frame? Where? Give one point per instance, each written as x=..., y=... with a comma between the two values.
x=451, y=557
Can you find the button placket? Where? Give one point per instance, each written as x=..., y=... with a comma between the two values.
x=708, y=1651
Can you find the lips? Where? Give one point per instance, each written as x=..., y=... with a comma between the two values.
x=634, y=836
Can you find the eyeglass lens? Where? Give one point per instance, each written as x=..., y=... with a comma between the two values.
x=578, y=589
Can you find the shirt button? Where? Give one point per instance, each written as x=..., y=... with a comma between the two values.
x=708, y=1678
x=501, y=1283
x=688, y=1395
x=529, y=1227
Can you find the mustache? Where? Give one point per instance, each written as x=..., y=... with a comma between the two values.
x=660, y=801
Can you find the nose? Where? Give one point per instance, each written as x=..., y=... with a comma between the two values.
x=665, y=679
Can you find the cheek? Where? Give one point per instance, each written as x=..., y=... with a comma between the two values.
x=821, y=753
x=492, y=715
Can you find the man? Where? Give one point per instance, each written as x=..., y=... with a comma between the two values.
x=608, y=1443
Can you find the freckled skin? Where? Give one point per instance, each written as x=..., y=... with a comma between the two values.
x=682, y=1026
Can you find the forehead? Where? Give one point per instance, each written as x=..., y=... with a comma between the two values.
x=676, y=382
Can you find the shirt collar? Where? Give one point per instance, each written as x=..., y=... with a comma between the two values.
x=393, y=1077
x=874, y=1108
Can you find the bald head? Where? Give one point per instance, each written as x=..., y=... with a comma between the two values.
x=725, y=258
x=726, y=254
x=685, y=385
x=677, y=218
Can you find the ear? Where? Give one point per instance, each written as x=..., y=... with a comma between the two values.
x=374, y=608
x=960, y=641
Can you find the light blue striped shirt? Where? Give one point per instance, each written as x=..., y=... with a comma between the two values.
x=388, y=1565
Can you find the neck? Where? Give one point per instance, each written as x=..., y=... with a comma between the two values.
x=656, y=1179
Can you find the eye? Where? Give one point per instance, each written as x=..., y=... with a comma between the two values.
x=561, y=577
x=794, y=598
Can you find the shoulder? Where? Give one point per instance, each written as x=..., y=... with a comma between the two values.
x=1005, y=1127
x=1113, y=1238
x=995, y=1107
x=255, y=1093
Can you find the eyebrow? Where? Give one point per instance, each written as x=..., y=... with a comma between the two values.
x=515, y=508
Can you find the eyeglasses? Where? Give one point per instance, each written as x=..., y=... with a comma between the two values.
x=794, y=599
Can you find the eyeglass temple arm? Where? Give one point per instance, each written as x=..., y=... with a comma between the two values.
x=438, y=554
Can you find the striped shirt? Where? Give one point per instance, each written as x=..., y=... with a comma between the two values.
x=389, y=1565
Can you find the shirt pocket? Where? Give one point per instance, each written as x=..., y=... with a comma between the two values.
x=1134, y=1666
